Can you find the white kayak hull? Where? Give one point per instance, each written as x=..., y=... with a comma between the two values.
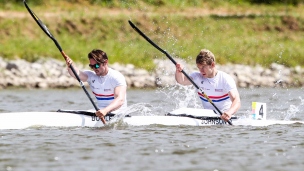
x=24, y=120
x=52, y=119
x=183, y=116
x=251, y=122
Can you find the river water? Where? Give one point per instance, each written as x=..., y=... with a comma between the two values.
x=119, y=147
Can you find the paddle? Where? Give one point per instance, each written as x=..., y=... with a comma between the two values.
x=163, y=51
x=48, y=33
x=83, y=112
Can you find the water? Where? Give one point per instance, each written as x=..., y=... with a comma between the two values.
x=186, y=148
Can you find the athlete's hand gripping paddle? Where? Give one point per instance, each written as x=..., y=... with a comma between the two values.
x=48, y=33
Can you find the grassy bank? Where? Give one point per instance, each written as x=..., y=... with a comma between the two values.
x=236, y=33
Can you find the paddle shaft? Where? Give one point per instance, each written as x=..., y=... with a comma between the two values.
x=49, y=34
x=174, y=62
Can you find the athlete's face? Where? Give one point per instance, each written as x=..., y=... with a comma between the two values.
x=206, y=70
x=101, y=69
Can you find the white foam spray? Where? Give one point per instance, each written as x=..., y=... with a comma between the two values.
x=293, y=110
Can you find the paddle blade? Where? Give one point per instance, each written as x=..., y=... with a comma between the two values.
x=132, y=25
x=150, y=41
x=42, y=26
x=39, y=22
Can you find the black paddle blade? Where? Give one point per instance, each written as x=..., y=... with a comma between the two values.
x=150, y=41
x=39, y=22
x=42, y=26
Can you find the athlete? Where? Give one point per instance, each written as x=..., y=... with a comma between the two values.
x=108, y=85
x=219, y=86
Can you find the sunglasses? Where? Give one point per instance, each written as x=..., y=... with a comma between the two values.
x=96, y=66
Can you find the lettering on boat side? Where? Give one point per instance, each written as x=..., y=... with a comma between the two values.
x=96, y=118
x=214, y=122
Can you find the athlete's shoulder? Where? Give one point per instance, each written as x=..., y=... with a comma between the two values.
x=89, y=73
x=227, y=79
x=224, y=74
x=116, y=78
x=115, y=73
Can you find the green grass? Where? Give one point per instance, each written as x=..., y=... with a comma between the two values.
x=262, y=37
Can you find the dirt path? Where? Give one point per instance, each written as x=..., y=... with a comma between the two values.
x=14, y=14
x=189, y=12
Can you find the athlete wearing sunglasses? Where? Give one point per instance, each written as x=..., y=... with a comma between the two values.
x=96, y=66
x=108, y=85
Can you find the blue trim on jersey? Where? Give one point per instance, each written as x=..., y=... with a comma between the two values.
x=110, y=98
x=205, y=100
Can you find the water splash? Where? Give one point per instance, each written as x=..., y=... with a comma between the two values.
x=143, y=109
x=180, y=96
x=292, y=110
x=302, y=101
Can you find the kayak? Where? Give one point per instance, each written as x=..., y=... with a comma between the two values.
x=86, y=118
x=83, y=118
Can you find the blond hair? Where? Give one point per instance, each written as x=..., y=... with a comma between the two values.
x=205, y=57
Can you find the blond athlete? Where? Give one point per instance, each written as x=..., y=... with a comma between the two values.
x=217, y=85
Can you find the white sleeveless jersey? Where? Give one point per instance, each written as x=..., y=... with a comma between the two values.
x=216, y=89
x=103, y=86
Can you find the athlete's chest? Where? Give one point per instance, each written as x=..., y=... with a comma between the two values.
x=101, y=84
x=213, y=85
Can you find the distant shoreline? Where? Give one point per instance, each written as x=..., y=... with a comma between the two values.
x=52, y=73
x=242, y=33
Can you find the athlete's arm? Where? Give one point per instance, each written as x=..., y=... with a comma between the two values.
x=180, y=77
x=82, y=76
x=236, y=104
x=119, y=99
